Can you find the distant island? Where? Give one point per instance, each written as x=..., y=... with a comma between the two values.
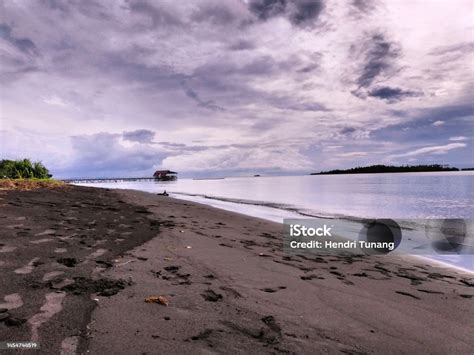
x=380, y=169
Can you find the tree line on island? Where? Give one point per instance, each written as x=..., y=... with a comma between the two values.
x=379, y=169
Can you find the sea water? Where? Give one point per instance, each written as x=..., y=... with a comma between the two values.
x=398, y=196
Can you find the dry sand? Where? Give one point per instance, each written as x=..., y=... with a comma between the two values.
x=230, y=286
x=232, y=289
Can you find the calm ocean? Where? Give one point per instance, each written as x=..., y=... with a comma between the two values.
x=397, y=196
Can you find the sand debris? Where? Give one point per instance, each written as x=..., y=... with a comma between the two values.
x=157, y=299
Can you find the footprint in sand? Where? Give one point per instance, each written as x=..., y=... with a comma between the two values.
x=211, y=296
x=97, y=253
x=12, y=301
x=39, y=241
x=28, y=268
x=7, y=249
x=408, y=295
x=51, y=275
x=67, y=237
x=431, y=291
x=14, y=226
x=226, y=245
x=69, y=345
x=46, y=232
x=52, y=306
x=311, y=276
x=273, y=290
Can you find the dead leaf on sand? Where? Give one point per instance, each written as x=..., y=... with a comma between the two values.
x=157, y=299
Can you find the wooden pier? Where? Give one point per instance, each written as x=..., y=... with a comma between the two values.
x=100, y=180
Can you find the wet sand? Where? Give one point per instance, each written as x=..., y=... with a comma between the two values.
x=79, y=263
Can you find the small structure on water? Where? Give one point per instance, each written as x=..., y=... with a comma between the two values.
x=165, y=175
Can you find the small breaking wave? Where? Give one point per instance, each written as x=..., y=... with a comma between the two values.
x=280, y=206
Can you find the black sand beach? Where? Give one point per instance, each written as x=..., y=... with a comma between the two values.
x=78, y=264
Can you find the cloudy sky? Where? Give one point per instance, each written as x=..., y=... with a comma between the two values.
x=235, y=87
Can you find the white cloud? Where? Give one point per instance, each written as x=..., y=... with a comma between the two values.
x=235, y=159
x=440, y=149
x=352, y=154
x=458, y=138
x=56, y=101
x=438, y=123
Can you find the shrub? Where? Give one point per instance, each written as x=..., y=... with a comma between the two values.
x=23, y=169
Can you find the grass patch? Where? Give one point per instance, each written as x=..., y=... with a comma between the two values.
x=30, y=184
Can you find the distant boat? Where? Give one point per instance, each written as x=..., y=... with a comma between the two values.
x=165, y=175
x=256, y=175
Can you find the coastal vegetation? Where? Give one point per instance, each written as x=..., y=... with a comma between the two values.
x=23, y=169
x=25, y=175
x=378, y=169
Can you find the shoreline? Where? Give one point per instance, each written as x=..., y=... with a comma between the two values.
x=235, y=205
x=435, y=262
x=446, y=265
x=229, y=285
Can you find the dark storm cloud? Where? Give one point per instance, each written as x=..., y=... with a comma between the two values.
x=122, y=64
x=289, y=103
x=181, y=148
x=309, y=106
x=363, y=6
x=19, y=57
x=158, y=15
x=25, y=45
x=347, y=130
x=306, y=11
x=217, y=14
x=172, y=145
x=57, y=5
x=139, y=135
x=209, y=104
x=308, y=68
x=460, y=48
x=391, y=94
x=89, y=8
x=229, y=80
x=265, y=9
x=242, y=45
x=259, y=66
x=378, y=58
x=299, y=12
